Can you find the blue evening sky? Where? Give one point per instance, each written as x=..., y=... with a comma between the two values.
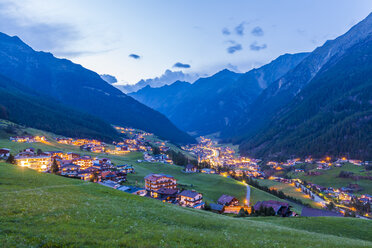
x=141, y=39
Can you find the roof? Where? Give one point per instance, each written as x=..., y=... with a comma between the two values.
x=189, y=193
x=276, y=205
x=225, y=199
x=166, y=191
x=216, y=207
x=155, y=177
x=190, y=166
x=312, y=212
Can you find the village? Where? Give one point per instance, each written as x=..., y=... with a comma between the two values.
x=211, y=158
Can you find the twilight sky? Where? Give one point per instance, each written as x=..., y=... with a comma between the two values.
x=135, y=40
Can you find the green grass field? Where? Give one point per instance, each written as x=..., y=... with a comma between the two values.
x=212, y=186
x=43, y=210
x=329, y=178
x=289, y=190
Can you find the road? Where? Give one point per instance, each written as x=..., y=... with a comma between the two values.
x=248, y=197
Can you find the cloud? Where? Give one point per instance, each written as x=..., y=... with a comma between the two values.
x=226, y=31
x=41, y=36
x=239, y=30
x=234, y=48
x=255, y=47
x=181, y=65
x=232, y=67
x=168, y=77
x=109, y=78
x=134, y=56
x=257, y=31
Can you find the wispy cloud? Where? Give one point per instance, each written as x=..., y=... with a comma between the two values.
x=134, y=56
x=234, y=48
x=239, y=30
x=181, y=65
x=226, y=31
x=257, y=31
x=256, y=47
x=41, y=36
x=109, y=78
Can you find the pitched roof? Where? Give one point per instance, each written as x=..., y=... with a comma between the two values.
x=166, y=191
x=216, y=207
x=276, y=205
x=225, y=199
x=190, y=166
x=312, y=212
x=155, y=177
x=189, y=193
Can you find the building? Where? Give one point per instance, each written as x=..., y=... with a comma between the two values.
x=126, y=168
x=70, y=170
x=227, y=200
x=40, y=163
x=280, y=208
x=190, y=168
x=217, y=208
x=154, y=182
x=208, y=171
x=84, y=162
x=4, y=153
x=190, y=198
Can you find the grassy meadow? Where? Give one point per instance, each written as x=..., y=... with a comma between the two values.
x=43, y=210
x=329, y=178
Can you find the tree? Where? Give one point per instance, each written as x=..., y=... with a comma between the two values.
x=95, y=176
x=156, y=150
x=39, y=151
x=242, y=213
x=10, y=159
x=54, y=168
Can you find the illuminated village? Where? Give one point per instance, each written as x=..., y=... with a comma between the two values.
x=212, y=158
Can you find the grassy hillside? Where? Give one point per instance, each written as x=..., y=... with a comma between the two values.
x=329, y=178
x=212, y=186
x=42, y=210
x=26, y=107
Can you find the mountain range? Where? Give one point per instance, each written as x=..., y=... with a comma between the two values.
x=81, y=89
x=314, y=103
x=210, y=104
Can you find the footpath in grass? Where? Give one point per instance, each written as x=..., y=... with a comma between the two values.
x=91, y=215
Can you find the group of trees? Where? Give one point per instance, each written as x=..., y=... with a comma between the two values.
x=262, y=211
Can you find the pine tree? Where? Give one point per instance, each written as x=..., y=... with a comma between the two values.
x=10, y=159
x=54, y=168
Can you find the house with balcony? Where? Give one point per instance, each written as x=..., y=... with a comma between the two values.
x=154, y=182
x=190, y=198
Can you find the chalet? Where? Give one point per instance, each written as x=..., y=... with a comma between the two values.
x=165, y=194
x=217, y=208
x=190, y=198
x=70, y=170
x=4, y=153
x=208, y=171
x=116, y=176
x=228, y=200
x=155, y=182
x=280, y=208
x=87, y=174
x=71, y=156
x=367, y=196
x=84, y=162
x=55, y=154
x=40, y=163
x=190, y=168
x=126, y=168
